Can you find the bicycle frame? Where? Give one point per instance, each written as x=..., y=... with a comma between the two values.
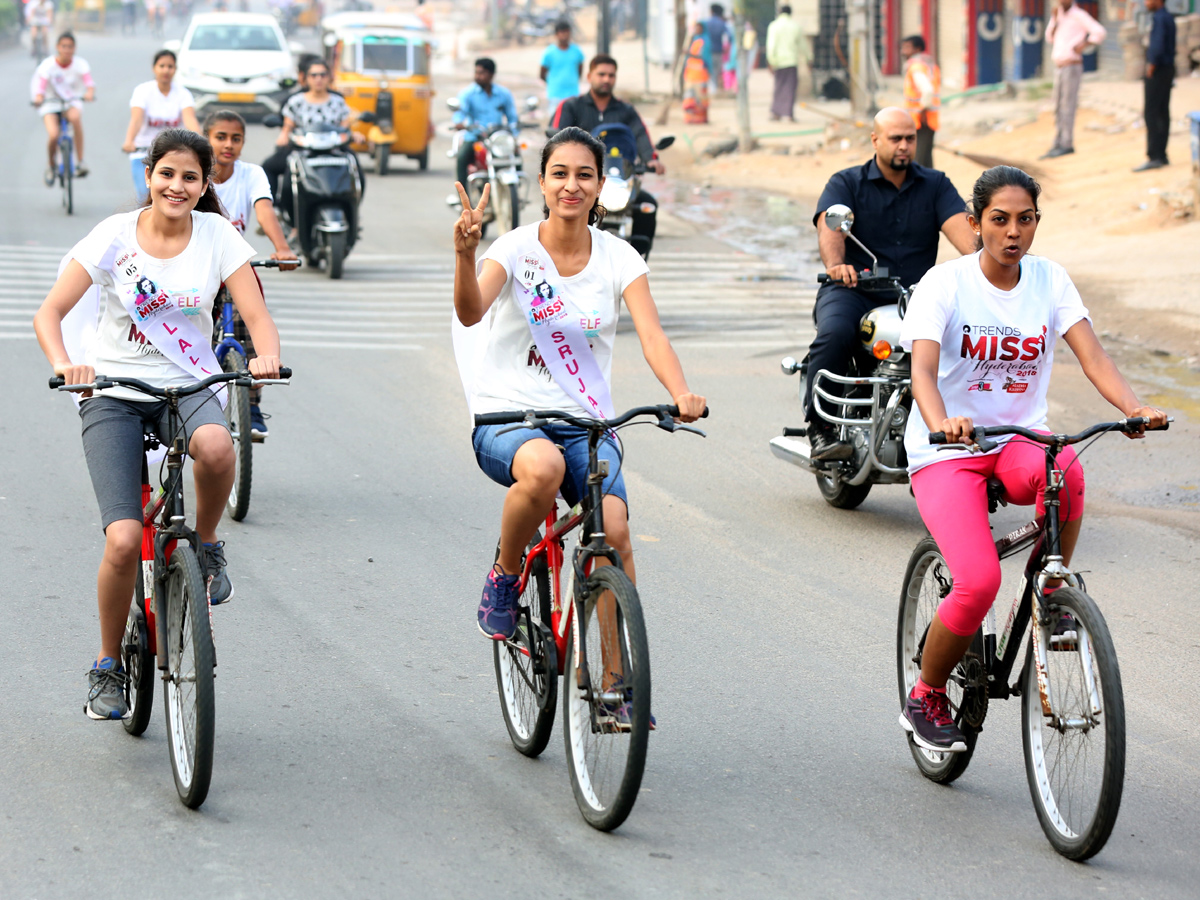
x=228, y=341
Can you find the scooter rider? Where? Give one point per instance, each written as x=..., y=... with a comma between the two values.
x=899, y=208
x=599, y=106
x=483, y=104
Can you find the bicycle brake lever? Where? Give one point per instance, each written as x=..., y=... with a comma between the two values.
x=530, y=422
x=681, y=427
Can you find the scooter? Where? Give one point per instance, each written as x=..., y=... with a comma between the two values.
x=623, y=183
x=870, y=406
x=326, y=184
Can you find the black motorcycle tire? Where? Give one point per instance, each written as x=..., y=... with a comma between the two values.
x=335, y=254
x=840, y=495
x=383, y=153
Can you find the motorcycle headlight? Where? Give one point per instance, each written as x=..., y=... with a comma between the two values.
x=614, y=195
x=503, y=144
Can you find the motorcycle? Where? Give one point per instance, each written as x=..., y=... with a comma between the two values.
x=326, y=190
x=870, y=406
x=623, y=182
x=497, y=162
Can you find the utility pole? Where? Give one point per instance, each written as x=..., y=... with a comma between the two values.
x=858, y=26
x=744, y=63
x=604, y=27
x=493, y=19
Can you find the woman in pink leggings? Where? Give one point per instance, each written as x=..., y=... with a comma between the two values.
x=982, y=331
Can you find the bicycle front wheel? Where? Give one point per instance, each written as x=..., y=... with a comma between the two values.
x=1075, y=756
x=188, y=688
x=68, y=180
x=926, y=582
x=527, y=667
x=139, y=662
x=606, y=715
x=237, y=417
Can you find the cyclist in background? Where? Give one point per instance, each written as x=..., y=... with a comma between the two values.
x=982, y=331
x=62, y=83
x=154, y=107
x=244, y=192
x=40, y=16
x=160, y=265
x=561, y=273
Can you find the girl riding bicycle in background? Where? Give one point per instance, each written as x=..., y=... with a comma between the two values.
x=158, y=265
x=982, y=332
x=557, y=270
x=61, y=83
x=154, y=107
x=244, y=192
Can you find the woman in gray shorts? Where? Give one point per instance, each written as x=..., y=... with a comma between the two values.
x=156, y=273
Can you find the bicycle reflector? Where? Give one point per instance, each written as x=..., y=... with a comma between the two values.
x=881, y=349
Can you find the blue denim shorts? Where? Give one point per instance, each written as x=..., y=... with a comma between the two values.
x=494, y=452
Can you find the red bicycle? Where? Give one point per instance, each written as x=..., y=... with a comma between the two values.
x=605, y=662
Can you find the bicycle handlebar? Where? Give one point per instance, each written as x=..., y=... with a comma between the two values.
x=274, y=263
x=102, y=382
x=536, y=416
x=980, y=432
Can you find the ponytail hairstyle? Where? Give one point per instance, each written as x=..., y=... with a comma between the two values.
x=181, y=140
x=575, y=135
x=994, y=180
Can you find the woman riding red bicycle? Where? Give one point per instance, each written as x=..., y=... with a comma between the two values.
x=548, y=296
x=158, y=270
x=982, y=331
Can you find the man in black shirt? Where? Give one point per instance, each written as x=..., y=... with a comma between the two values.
x=599, y=107
x=899, y=207
x=1160, y=75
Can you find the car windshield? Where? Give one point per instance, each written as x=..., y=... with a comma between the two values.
x=234, y=37
x=388, y=54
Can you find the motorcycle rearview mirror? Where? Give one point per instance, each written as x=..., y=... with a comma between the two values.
x=329, y=41
x=664, y=142
x=839, y=218
x=273, y=120
x=531, y=102
x=453, y=104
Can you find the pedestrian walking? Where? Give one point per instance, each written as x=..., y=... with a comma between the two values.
x=562, y=67
x=720, y=42
x=1160, y=75
x=696, y=77
x=1070, y=32
x=785, y=51
x=922, y=95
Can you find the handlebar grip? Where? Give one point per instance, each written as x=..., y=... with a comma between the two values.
x=285, y=372
x=499, y=418
x=673, y=412
x=823, y=278
x=937, y=437
x=57, y=381
x=264, y=264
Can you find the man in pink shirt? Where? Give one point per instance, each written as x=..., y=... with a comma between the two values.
x=1070, y=32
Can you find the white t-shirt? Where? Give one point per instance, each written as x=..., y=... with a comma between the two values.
x=511, y=374
x=190, y=280
x=997, y=347
x=246, y=186
x=58, y=83
x=161, y=112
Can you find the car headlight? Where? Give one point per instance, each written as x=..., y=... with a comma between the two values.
x=503, y=144
x=614, y=195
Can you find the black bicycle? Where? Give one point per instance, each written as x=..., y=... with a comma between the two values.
x=1073, y=710
x=604, y=657
x=169, y=625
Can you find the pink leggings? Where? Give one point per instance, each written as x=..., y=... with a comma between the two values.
x=952, y=498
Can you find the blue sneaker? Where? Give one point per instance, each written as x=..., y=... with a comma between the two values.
x=106, y=691
x=617, y=704
x=498, y=609
x=258, y=424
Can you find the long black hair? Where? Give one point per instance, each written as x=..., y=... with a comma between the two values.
x=575, y=135
x=182, y=140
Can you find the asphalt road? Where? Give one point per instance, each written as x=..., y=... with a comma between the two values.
x=360, y=749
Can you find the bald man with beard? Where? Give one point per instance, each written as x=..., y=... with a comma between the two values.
x=899, y=209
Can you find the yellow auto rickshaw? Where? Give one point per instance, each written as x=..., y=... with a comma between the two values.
x=380, y=63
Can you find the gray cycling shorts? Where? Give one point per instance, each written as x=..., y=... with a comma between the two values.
x=112, y=444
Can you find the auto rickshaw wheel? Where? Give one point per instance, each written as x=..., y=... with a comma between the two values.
x=383, y=154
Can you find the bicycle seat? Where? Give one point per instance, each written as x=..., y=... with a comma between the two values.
x=995, y=494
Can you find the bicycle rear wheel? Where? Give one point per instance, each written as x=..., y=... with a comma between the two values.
x=237, y=417
x=926, y=582
x=527, y=666
x=188, y=688
x=606, y=722
x=1075, y=758
x=139, y=663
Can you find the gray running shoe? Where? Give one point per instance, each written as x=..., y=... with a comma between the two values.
x=106, y=691
x=219, y=588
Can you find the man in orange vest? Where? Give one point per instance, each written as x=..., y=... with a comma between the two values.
x=922, y=85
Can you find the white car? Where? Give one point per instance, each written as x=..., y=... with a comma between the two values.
x=237, y=60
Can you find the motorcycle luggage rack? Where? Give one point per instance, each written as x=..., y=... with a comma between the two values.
x=854, y=403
